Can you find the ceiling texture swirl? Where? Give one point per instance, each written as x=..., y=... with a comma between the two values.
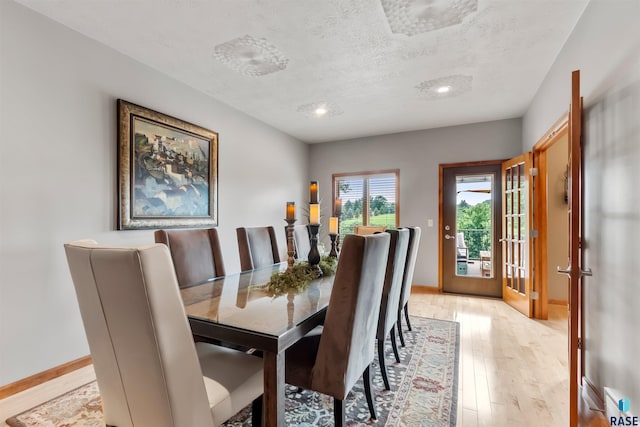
x=326, y=70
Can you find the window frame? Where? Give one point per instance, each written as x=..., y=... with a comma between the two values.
x=366, y=175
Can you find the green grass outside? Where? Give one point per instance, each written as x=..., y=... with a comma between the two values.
x=347, y=225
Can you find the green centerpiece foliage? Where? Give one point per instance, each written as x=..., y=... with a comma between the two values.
x=299, y=276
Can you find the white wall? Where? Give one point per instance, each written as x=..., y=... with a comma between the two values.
x=58, y=92
x=601, y=46
x=605, y=46
x=417, y=155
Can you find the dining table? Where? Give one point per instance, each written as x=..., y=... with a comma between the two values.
x=240, y=310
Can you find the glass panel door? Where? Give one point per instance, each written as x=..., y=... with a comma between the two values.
x=516, y=233
x=471, y=211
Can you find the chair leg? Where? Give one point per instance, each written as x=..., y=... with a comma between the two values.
x=406, y=315
x=394, y=345
x=338, y=412
x=383, y=367
x=371, y=403
x=400, y=327
x=256, y=412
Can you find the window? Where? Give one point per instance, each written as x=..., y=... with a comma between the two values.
x=367, y=198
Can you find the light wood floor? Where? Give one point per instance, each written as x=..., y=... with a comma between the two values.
x=513, y=370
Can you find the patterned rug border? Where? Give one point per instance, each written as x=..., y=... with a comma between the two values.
x=14, y=421
x=456, y=370
x=17, y=423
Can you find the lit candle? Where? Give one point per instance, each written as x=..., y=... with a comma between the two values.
x=291, y=210
x=337, y=210
x=333, y=225
x=314, y=214
x=313, y=192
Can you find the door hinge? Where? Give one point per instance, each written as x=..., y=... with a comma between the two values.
x=533, y=234
x=533, y=171
x=534, y=295
x=580, y=343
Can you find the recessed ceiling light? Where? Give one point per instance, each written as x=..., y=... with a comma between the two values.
x=321, y=108
x=445, y=87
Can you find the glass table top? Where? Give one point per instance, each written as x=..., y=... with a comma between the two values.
x=241, y=301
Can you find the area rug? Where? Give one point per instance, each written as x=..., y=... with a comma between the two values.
x=424, y=391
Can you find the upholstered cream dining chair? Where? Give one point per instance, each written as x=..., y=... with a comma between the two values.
x=391, y=296
x=149, y=371
x=407, y=279
x=301, y=241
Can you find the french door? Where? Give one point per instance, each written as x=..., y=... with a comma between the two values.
x=516, y=240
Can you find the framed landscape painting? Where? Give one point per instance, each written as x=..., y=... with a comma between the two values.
x=167, y=171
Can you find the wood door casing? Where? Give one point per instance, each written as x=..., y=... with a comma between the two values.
x=516, y=243
x=559, y=130
x=449, y=281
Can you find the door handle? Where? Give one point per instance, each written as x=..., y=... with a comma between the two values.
x=447, y=236
x=567, y=271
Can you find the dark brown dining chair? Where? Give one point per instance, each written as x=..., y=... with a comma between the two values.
x=149, y=370
x=331, y=361
x=257, y=247
x=391, y=296
x=412, y=255
x=196, y=254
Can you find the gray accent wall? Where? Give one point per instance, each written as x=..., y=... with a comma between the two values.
x=58, y=92
x=418, y=155
x=605, y=46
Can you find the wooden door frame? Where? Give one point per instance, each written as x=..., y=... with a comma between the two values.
x=441, y=169
x=540, y=282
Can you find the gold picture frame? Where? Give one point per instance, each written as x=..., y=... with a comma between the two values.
x=167, y=171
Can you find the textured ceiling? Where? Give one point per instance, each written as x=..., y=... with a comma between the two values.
x=375, y=66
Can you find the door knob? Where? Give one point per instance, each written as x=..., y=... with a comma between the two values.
x=447, y=236
x=566, y=271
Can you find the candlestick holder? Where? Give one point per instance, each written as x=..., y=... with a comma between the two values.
x=314, y=255
x=290, y=244
x=334, y=246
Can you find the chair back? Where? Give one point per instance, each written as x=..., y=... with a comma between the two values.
x=364, y=230
x=348, y=340
x=393, y=281
x=257, y=247
x=144, y=357
x=196, y=254
x=302, y=241
x=462, y=251
x=412, y=256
